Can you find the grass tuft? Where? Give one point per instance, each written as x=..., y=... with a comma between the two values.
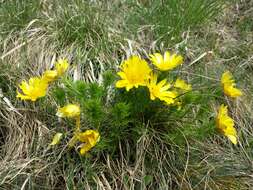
x=15, y=15
x=168, y=19
x=78, y=21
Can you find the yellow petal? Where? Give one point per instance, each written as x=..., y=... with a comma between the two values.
x=122, y=75
x=25, y=87
x=34, y=89
x=89, y=136
x=21, y=96
x=134, y=73
x=49, y=75
x=167, y=56
x=166, y=62
x=61, y=66
x=128, y=87
x=70, y=110
x=231, y=133
x=232, y=138
x=121, y=84
x=225, y=124
x=169, y=100
x=162, y=83
x=229, y=84
x=231, y=91
x=56, y=139
x=160, y=90
x=181, y=84
x=85, y=148
x=157, y=58
x=89, y=139
x=227, y=78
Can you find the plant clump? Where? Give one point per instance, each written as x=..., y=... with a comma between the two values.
x=151, y=87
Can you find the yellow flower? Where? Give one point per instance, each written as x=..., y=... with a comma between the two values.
x=61, y=66
x=135, y=72
x=229, y=85
x=49, y=75
x=166, y=62
x=181, y=84
x=70, y=110
x=160, y=90
x=89, y=138
x=56, y=139
x=34, y=89
x=226, y=124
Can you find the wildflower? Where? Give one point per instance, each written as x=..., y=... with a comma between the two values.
x=181, y=84
x=166, y=62
x=135, y=72
x=229, y=85
x=70, y=110
x=160, y=90
x=34, y=89
x=89, y=138
x=61, y=66
x=226, y=124
x=50, y=75
x=56, y=139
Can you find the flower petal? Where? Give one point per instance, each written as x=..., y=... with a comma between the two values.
x=56, y=139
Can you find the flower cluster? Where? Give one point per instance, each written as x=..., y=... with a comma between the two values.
x=224, y=123
x=89, y=138
x=37, y=87
x=136, y=72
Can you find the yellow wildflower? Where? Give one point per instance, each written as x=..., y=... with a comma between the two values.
x=61, y=66
x=49, y=75
x=160, y=90
x=229, y=85
x=89, y=138
x=70, y=110
x=56, y=139
x=34, y=89
x=181, y=84
x=135, y=72
x=226, y=124
x=166, y=62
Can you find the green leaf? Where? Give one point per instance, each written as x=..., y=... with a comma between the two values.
x=148, y=179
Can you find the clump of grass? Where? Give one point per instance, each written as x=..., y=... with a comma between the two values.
x=78, y=21
x=168, y=19
x=15, y=15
